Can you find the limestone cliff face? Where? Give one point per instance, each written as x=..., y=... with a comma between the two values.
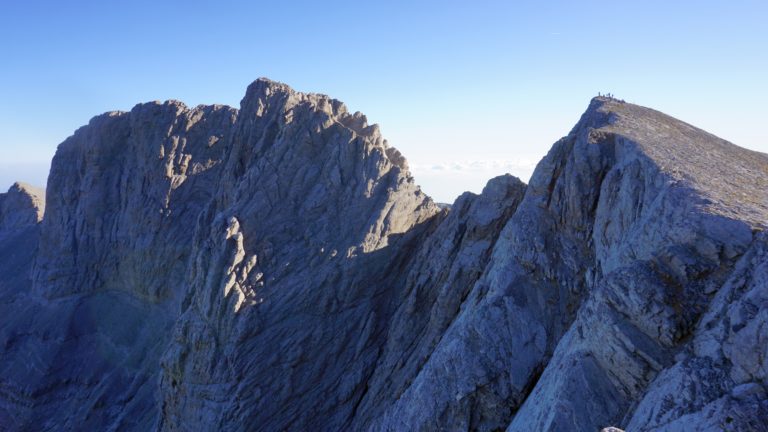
x=124, y=194
x=276, y=268
x=664, y=240
x=295, y=261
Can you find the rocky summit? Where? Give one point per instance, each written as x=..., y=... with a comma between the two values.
x=276, y=267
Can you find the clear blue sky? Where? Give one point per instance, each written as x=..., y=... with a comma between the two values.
x=465, y=90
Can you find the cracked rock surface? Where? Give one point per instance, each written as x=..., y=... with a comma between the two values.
x=276, y=267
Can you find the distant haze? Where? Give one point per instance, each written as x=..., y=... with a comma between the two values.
x=34, y=173
x=442, y=180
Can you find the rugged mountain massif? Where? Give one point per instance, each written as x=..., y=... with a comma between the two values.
x=276, y=268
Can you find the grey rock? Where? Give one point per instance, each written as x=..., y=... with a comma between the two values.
x=710, y=389
x=436, y=289
x=21, y=210
x=664, y=241
x=277, y=268
x=123, y=193
x=23, y=205
x=748, y=391
x=311, y=197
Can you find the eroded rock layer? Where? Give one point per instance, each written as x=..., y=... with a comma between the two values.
x=276, y=268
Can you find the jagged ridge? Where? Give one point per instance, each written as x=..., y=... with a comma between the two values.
x=276, y=267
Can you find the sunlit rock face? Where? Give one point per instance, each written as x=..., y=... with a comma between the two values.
x=22, y=206
x=295, y=266
x=276, y=267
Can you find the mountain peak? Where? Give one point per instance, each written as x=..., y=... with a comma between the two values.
x=733, y=180
x=267, y=97
x=265, y=94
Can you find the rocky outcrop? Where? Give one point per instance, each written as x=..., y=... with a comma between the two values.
x=665, y=241
x=717, y=380
x=436, y=286
x=293, y=269
x=21, y=210
x=124, y=193
x=22, y=206
x=276, y=268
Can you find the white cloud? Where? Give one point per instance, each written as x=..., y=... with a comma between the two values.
x=478, y=165
x=447, y=179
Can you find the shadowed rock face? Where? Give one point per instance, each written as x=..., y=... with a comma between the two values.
x=21, y=210
x=276, y=268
